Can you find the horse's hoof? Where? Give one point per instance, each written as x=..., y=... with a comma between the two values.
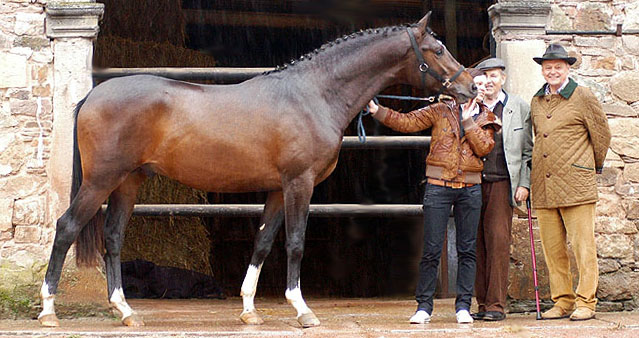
x=50, y=320
x=133, y=320
x=308, y=320
x=251, y=318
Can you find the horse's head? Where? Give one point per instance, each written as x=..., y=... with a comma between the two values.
x=434, y=68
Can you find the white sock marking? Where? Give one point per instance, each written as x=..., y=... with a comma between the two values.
x=249, y=286
x=295, y=298
x=48, y=299
x=118, y=301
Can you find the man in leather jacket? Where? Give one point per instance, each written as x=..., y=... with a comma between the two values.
x=461, y=135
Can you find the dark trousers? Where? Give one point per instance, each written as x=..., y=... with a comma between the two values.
x=493, y=246
x=466, y=203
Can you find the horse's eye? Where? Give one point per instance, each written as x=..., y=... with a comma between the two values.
x=439, y=52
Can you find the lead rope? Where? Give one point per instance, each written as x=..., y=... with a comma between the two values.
x=361, y=131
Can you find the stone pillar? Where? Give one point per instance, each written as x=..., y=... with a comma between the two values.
x=518, y=29
x=73, y=26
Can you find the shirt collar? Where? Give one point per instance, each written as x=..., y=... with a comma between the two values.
x=563, y=85
x=500, y=98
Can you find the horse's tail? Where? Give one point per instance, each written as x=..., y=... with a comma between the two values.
x=90, y=241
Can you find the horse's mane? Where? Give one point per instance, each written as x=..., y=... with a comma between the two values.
x=356, y=37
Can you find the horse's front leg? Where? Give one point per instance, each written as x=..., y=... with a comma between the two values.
x=297, y=196
x=269, y=226
x=119, y=211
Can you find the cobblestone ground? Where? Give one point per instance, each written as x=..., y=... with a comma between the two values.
x=340, y=318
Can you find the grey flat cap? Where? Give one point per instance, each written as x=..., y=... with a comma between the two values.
x=491, y=64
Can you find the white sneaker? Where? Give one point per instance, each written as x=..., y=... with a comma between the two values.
x=420, y=317
x=463, y=317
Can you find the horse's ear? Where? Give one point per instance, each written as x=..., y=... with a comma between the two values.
x=423, y=23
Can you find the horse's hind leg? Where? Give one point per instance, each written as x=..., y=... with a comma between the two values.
x=119, y=211
x=269, y=225
x=83, y=207
x=297, y=196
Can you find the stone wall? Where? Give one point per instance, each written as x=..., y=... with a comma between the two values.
x=609, y=66
x=43, y=74
x=26, y=120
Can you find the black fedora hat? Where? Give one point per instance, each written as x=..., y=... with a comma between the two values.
x=555, y=52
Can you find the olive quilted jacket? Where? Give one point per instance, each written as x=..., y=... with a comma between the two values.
x=571, y=141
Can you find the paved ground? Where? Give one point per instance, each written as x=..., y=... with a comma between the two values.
x=340, y=318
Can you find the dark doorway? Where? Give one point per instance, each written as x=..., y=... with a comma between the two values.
x=353, y=257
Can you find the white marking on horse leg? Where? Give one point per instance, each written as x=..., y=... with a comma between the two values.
x=48, y=299
x=117, y=300
x=249, y=286
x=262, y=227
x=294, y=297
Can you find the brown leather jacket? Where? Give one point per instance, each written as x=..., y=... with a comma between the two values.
x=451, y=158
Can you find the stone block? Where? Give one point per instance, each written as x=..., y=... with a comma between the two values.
x=23, y=107
x=613, y=160
x=632, y=208
x=559, y=19
x=626, y=189
x=13, y=70
x=592, y=16
x=614, y=225
x=619, y=109
x=597, y=42
x=29, y=211
x=607, y=63
x=631, y=172
x=6, y=140
x=605, y=306
x=608, y=265
x=616, y=286
x=44, y=56
x=625, y=86
x=6, y=210
x=632, y=15
x=27, y=234
x=624, y=146
x=6, y=41
x=631, y=43
x=610, y=205
x=32, y=42
x=29, y=24
x=614, y=246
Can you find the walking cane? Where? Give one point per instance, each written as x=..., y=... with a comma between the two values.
x=534, y=258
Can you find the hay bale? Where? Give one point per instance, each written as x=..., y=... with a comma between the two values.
x=114, y=51
x=181, y=242
x=145, y=20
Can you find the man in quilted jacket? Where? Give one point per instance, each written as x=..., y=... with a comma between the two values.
x=571, y=140
x=460, y=137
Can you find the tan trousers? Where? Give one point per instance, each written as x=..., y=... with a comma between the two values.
x=577, y=225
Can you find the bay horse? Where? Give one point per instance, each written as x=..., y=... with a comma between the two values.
x=279, y=132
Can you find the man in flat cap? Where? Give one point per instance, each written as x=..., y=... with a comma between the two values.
x=571, y=140
x=505, y=183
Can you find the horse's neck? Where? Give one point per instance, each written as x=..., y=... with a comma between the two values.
x=359, y=75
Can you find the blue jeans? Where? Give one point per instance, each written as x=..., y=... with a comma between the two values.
x=466, y=203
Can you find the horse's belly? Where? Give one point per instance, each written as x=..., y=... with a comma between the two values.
x=222, y=174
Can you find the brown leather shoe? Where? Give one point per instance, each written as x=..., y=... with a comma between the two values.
x=582, y=313
x=556, y=313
